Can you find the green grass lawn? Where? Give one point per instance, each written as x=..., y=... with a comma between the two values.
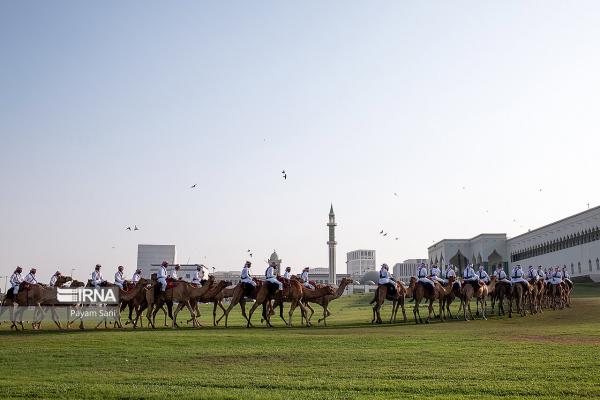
x=553, y=355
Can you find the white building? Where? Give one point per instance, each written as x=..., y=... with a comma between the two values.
x=573, y=242
x=186, y=271
x=487, y=249
x=358, y=262
x=321, y=276
x=149, y=254
x=404, y=270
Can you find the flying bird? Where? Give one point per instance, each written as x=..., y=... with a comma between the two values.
x=396, y=238
x=385, y=234
x=283, y=172
x=285, y=176
x=248, y=250
x=193, y=186
x=395, y=194
x=250, y=255
x=128, y=228
x=136, y=228
x=381, y=233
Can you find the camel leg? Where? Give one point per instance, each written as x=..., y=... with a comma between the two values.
x=174, y=321
x=254, y=306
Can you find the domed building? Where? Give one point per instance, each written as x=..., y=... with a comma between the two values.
x=371, y=276
x=275, y=258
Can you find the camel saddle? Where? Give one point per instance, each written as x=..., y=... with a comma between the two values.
x=249, y=290
x=24, y=286
x=129, y=286
x=171, y=283
x=284, y=281
x=429, y=287
x=272, y=287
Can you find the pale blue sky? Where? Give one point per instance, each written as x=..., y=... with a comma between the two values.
x=110, y=111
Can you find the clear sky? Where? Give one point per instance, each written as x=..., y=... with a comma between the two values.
x=110, y=111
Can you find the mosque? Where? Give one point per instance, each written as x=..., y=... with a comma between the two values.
x=573, y=242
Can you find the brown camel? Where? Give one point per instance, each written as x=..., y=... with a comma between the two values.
x=211, y=296
x=556, y=296
x=299, y=295
x=241, y=291
x=518, y=292
x=266, y=292
x=325, y=300
x=452, y=291
x=135, y=299
x=37, y=295
x=218, y=302
x=420, y=292
x=468, y=291
x=183, y=292
x=383, y=293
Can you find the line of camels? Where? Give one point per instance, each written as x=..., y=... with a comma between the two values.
x=533, y=296
x=145, y=296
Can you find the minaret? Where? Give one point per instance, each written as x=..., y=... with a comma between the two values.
x=332, y=243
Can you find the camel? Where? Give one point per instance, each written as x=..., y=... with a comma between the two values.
x=210, y=297
x=218, y=302
x=452, y=290
x=420, y=292
x=503, y=290
x=556, y=296
x=183, y=292
x=267, y=292
x=135, y=299
x=238, y=295
x=518, y=292
x=468, y=292
x=37, y=295
x=325, y=300
x=381, y=295
x=536, y=290
x=298, y=295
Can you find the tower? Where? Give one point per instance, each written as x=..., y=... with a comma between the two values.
x=332, y=243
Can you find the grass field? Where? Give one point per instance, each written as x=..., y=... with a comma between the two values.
x=553, y=355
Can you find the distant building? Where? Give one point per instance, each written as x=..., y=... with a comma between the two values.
x=404, y=270
x=275, y=259
x=149, y=254
x=358, y=262
x=321, y=275
x=186, y=271
x=231, y=276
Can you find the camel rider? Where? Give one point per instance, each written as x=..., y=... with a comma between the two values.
x=450, y=274
x=422, y=274
x=199, y=276
x=15, y=280
x=386, y=279
x=532, y=274
x=557, y=276
x=161, y=276
x=436, y=274
x=483, y=275
x=541, y=273
x=54, y=278
x=517, y=275
x=137, y=275
x=501, y=275
x=119, y=281
x=246, y=277
x=288, y=273
x=270, y=275
x=97, y=279
x=304, y=277
x=566, y=276
x=174, y=275
x=469, y=274
x=30, y=277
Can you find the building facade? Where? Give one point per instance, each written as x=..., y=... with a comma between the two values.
x=573, y=242
x=404, y=270
x=186, y=271
x=358, y=262
x=487, y=249
x=149, y=254
x=321, y=276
